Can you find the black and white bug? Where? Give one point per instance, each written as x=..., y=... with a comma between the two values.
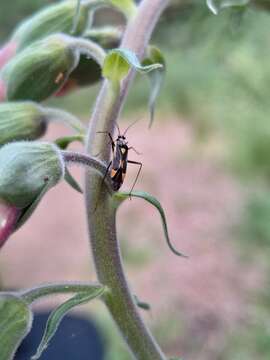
x=118, y=164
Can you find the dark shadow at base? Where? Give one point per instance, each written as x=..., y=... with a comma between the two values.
x=76, y=339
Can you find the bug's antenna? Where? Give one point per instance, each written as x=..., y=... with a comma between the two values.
x=130, y=126
x=118, y=129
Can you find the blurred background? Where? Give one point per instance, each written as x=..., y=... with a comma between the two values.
x=207, y=160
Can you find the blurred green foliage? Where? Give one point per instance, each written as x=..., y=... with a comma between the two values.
x=255, y=231
x=218, y=77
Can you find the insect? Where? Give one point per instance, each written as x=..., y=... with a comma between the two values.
x=118, y=164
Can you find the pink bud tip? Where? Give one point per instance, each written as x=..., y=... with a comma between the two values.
x=8, y=218
x=7, y=52
x=68, y=86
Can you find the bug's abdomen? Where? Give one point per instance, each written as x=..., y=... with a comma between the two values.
x=119, y=166
x=117, y=177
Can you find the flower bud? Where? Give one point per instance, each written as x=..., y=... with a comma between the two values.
x=88, y=72
x=54, y=18
x=26, y=169
x=21, y=121
x=40, y=70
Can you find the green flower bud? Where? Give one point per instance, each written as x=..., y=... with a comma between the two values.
x=27, y=120
x=21, y=121
x=40, y=70
x=88, y=71
x=26, y=169
x=52, y=19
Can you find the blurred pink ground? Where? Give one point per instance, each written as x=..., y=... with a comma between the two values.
x=207, y=293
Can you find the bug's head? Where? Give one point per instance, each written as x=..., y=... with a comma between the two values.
x=121, y=139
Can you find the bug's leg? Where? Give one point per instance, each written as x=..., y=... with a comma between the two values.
x=102, y=182
x=137, y=176
x=132, y=148
x=108, y=133
x=112, y=142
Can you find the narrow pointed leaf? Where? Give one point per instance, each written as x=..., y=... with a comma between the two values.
x=72, y=182
x=119, y=197
x=28, y=211
x=216, y=5
x=15, y=324
x=57, y=315
x=119, y=61
x=65, y=141
x=141, y=304
x=156, y=77
x=36, y=293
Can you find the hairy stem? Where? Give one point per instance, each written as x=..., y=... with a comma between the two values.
x=83, y=159
x=104, y=34
x=90, y=162
x=89, y=48
x=102, y=226
x=53, y=114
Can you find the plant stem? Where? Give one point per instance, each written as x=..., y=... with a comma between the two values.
x=88, y=48
x=84, y=159
x=53, y=114
x=102, y=226
x=104, y=34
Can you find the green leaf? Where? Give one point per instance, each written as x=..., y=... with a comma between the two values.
x=119, y=197
x=34, y=294
x=216, y=5
x=28, y=211
x=118, y=62
x=141, y=304
x=65, y=141
x=72, y=182
x=57, y=315
x=156, y=78
x=15, y=324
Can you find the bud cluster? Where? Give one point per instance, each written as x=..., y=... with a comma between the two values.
x=51, y=52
